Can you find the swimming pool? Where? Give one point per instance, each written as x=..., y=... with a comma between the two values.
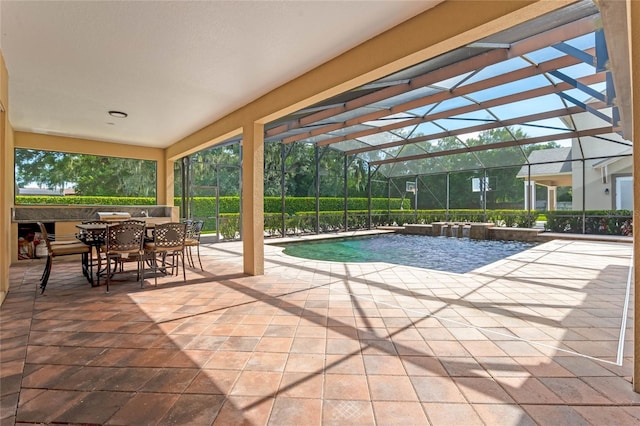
x=441, y=253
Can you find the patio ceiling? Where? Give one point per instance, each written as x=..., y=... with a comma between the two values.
x=172, y=66
x=549, y=80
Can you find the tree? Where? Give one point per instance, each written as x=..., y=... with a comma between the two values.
x=501, y=165
x=87, y=174
x=215, y=167
x=45, y=168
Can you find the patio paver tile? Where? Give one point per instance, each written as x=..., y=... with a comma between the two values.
x=343, y=386
x=344, y=411
x=451, y=414
x=314, y=342
x=296, y=411
x=400, y=413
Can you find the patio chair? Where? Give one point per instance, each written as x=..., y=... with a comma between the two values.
x=59, y=248
x=94, y=238
x=147, y=237
x=168, y=242
x=194, y=229
x=124, y=242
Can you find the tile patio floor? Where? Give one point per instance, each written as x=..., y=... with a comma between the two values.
x=533, y=339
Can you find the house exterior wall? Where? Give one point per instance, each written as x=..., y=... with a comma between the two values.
x=599, y=195
x=596, y=196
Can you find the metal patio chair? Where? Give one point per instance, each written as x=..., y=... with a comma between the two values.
x=194, y=229
x=168, y=242
x=95, y=238
x=124, y=242
x=59, y=248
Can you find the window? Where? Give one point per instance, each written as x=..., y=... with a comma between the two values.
x=51, y=177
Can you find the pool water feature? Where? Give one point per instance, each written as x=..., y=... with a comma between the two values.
x=440, y=253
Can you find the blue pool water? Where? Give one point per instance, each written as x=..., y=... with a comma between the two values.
x=440, y=253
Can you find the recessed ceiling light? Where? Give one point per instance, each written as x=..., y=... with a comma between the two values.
x=118, y=114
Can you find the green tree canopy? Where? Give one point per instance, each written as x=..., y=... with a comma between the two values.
x=86, y=174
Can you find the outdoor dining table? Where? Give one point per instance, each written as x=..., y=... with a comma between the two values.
x=92, y=234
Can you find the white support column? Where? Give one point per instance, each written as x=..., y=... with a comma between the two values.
x=529, y=194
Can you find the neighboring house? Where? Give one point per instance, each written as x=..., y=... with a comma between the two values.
x=607, y=172
x=38, y=191
x=603, y=179
x=45, y=191
x=616, y=181
x=609, y=181
x=550, y=168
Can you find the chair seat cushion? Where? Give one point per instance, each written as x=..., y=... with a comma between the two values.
x=124, y=253
x=65, y=249
x=65, y=242
x=191, y=242
x=153, y=247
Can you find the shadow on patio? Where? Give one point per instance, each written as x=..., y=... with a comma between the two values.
x=324, y=343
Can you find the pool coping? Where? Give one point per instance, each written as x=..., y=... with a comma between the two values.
x=542, y=236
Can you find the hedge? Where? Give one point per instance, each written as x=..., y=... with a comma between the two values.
x=603, y=222
x=84, y=200
x=304, y=222
x=206, y=206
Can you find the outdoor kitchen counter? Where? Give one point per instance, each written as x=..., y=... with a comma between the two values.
x=73, y=213
x=62, y=220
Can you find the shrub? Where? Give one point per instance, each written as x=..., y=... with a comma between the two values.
x=229, y=226
x=604, y=222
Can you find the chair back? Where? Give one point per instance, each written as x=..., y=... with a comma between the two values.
x=94, y=235
x=135, y=221
x=170, y=235
x=45, y=236
x=194, y=229
x=125, y=237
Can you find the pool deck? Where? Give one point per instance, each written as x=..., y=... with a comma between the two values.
x=542, y=337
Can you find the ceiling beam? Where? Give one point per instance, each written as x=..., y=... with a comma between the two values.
x=443, y=96
x=512, y=76
x=478, y=128
x=542, y=91
x=472, y=64
x=566, y=32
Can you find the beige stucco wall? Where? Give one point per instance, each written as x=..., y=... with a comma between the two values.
x=6, y=179
x=633, y=11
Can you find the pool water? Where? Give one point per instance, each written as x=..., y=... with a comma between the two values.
x=441, y=253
